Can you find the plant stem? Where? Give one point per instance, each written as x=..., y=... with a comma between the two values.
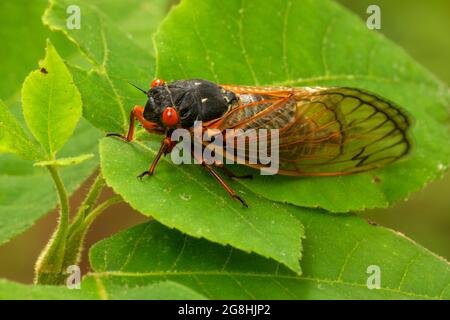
x=93, y=194
x=91, y=198
x=63, y=199
x=50, y=262
x=100, y=208
x=65, y=246
x=75, y=239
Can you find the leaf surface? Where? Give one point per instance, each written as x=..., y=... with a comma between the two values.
x=13, y=138
x=51, y=103
x=117, y=58
x=189, y=199
x=93, y=289
x=331, y=269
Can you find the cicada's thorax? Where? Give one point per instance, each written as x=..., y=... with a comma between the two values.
x=194, y=100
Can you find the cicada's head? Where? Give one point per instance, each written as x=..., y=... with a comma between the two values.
x=181, y=103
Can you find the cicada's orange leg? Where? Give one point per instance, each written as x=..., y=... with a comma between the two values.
x=166, y=147
x=231, y=174
x=220, y=180
x=136, y=113
x=224, y=184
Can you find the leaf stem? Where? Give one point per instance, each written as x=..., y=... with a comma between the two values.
x=63, y=199
x=50, y=261
x=84, y=218
x=100, y=208
x=91, y=198
x=65, y=247
x=94, y=193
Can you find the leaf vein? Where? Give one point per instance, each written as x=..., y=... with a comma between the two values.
x=205, y=48
x=225, y=264
x=105, y=73
x=284, y=37
x=101, y=288
x=183, y=246
x=347, y=259
x=136, y=244
x=286, y=289
x=324, y=44
x=251, y=295
x=405, y=272
x=242, y=44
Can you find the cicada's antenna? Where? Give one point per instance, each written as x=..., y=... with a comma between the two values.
x=142, y=90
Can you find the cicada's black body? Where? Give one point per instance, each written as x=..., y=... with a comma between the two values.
x=194, y=100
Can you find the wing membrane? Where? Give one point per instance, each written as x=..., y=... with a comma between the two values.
x=323, y=130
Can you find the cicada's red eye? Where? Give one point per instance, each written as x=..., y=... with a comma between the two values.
x=170, y=117
x=157, y=83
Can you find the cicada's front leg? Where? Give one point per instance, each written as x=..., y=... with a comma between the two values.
x=166, y=145
x=136, y=113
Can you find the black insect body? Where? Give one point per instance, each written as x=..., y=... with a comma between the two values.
x=193, y=100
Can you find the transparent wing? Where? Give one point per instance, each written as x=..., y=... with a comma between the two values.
x=324, y=130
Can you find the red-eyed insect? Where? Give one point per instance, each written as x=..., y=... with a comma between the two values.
x=323, y=131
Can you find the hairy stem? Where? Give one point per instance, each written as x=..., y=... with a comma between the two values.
x=90, y=200
x=50, y=262
x=65, y=247
x=75, y=239
x=100, y=208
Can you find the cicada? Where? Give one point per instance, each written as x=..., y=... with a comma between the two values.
x=323, y=131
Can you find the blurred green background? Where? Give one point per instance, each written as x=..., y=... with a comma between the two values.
x=421, y=27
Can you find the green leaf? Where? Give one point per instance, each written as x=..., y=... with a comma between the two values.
x=333, y=269
x=164, y=290
x=189, y=199
x=116, y=57
x=93, y=289
x=51, y=103
x=23, y=50
x=15, y=291
x=64, y=162
x=13, y=138
x=27, y=193
x=308, y=43
x=137, y=18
